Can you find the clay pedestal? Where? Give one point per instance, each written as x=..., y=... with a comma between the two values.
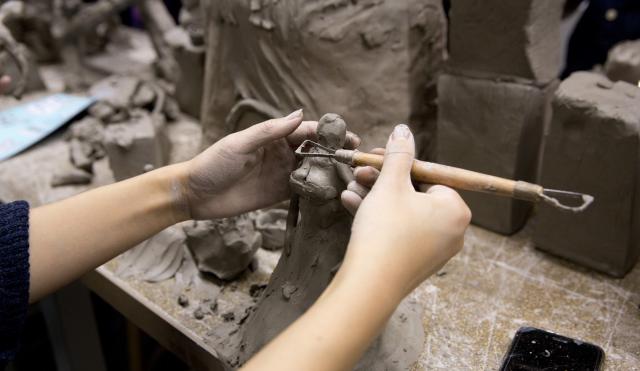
x=517, y=38
x=375, y=62
x=494, y=128
x=593, y=147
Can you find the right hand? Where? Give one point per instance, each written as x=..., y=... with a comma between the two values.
x=401, y=236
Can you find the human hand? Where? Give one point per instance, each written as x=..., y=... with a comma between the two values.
x=401, y=236
x=247, y=170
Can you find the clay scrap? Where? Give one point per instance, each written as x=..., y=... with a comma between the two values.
x=593, y=146
x=223, y=247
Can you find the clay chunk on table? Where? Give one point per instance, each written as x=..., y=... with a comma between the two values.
x=623, y=62
x=494, y=128
x=593, y=147
x=518, y=38
x=135, y=147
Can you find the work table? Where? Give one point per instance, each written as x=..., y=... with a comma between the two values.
x=472, y=307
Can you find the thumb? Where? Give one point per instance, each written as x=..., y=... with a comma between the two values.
x=398, y=159
x=258, y=135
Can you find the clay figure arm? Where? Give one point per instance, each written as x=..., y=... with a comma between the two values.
x=399, y=238
x=244, y=171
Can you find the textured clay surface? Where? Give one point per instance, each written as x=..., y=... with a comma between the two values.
x=519, y=38
x=375, y=62
x=494, y=128
x=593, y=147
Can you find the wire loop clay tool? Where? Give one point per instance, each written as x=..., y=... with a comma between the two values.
x=461, y=179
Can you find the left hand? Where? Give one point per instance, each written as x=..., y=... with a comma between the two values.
x=249, y=169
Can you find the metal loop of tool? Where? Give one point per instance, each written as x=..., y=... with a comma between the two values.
x=586, y=201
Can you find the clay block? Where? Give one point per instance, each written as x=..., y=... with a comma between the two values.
x=135, y=147
x=593, y=147
x=494, y=128
x=519, y=38
x=623, y=62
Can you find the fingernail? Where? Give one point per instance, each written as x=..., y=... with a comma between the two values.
x=295, y=114
x=401, y=131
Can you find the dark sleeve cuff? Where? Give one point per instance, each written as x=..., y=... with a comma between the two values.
x=14, y=276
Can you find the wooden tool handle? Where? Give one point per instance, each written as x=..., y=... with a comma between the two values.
x=432, y=173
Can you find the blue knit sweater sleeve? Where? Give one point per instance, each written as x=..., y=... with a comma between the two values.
x=14, y=276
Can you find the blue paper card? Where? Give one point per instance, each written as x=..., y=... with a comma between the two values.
x=24, y=125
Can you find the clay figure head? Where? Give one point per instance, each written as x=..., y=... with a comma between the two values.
x=317, y=178
x=332, y=131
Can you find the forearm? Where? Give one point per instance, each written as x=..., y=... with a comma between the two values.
x=70, y=237
x=335, y=332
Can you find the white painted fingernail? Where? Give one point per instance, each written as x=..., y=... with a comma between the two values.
x=401, y=131
x=295, y=114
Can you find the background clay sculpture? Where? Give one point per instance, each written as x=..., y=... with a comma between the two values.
x=375, y=61
x=313, y=253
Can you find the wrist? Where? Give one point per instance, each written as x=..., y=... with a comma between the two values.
x=368, y=284
x=172, y=180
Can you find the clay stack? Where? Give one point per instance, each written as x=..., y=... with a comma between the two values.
x=593, y=147
x=495, y=99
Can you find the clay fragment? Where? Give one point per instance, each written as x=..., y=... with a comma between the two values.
x=496, y=128
x=272, y=224
x=71, y=176
x=593, y=147
x=81, y=154
x=517, y=38
x=623, y=62
x=183, y=300
x=223, y=247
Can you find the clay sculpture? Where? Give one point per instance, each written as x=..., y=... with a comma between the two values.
x=223, y=247
x=313, y=252
x=593, y=146
x=375, y=61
